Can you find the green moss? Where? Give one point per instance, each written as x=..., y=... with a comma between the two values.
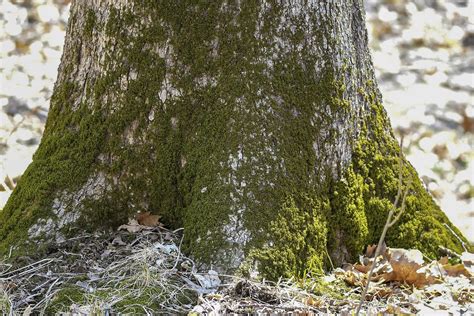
x=336, y=289
x=89, y=23
x=296, y=247
x=64, y=160
x=126, y=297
x=348, y=219
x=64, y=298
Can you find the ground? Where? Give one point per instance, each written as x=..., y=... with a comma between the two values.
x=141, y=269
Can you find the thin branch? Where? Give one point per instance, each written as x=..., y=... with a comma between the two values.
x=402, y=209
x=330, y=261
x=456, y=235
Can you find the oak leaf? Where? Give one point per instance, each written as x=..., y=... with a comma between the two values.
x=406, y=265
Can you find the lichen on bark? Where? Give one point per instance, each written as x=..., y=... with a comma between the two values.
x=256, y=126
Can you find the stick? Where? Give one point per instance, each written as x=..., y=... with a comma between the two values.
x=456, y=235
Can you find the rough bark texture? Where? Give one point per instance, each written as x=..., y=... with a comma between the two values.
x=255, y=125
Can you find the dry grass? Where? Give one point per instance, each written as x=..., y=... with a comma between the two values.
x=145, y=273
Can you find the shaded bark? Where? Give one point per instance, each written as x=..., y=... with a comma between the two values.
x=256, y=126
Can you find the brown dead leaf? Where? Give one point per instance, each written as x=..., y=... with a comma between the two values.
x=148, y=219
x=395, y=310
x=383, y=292
x=467, y=123
x=370, y=252
x=353, y=278
x=456, y=270
x=363, y=268
x=405, y=265
x=310, y=301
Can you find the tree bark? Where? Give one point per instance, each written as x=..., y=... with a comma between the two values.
x=255, y=125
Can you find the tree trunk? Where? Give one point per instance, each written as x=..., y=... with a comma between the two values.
x=255, y=125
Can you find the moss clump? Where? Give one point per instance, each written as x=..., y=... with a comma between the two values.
x=335, y=289
x=64, y=298
x=90, y=23
x=348, y=218
x=297, y=240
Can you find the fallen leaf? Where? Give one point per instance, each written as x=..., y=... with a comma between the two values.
x=362, y=268
x=383, y=292
x=443, y=260
x=148, y=219
x=395, y=310
x=406, y=265
x=310, y=301
x=353, y=278
x=456, y=270
x=370, y=252
x=467, y=123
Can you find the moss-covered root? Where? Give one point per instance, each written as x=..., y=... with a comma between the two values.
x=362, y=199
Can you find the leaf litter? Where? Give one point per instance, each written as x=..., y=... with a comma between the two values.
x=141, y=269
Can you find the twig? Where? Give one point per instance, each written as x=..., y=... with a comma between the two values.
x=456, y=235
x=448, y=252
x=179, y=253
x=330, y=261
x=402, y=209
x=47, y=296
x=43, y=262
